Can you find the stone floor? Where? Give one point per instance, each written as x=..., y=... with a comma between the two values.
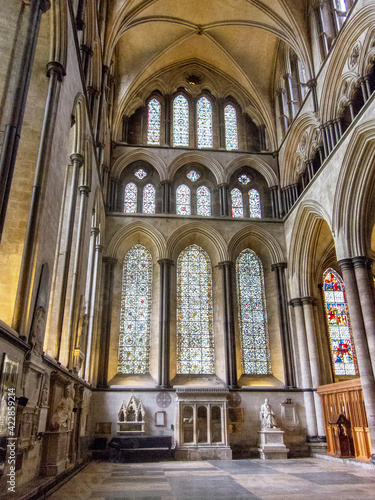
x=292, y=479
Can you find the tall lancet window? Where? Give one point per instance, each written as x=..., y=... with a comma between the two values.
x=254, y=204
x=195, y=342
x=237, y=203
x=148, y=206
x=203, y=201
x=135, y=317
x=340, y=333
x=252, y=315
x=180, y=121
x=130, y=198
x=153, y=122
x=231, y=134
x=204, y=119
x=183, y=203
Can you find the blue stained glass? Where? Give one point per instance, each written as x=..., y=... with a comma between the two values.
x=153, y=124
x=148, y=199
x=237, y=203
x=180, y=121
x=204, y=118
x=243, y=179
x=135, y=317
x=130, y=198
x=254, y=204
x=340, y=332
x=203, y=201
x=193, y=175
x=231, y=134
x=255, y=355
x=183, y=204
x=195, y=343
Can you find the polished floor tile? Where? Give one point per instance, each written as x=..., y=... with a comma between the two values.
x=294, y=479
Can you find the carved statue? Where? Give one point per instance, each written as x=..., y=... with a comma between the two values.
x=267, y=416
x=62, y=417
x=37, y=332
x=45, y=393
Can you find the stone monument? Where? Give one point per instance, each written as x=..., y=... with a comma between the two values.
x=271, y=437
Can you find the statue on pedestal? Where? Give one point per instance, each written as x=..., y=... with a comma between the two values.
x=267, y=416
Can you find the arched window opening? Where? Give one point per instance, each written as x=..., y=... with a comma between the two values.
x=183, y=203
x=252, y=316
x=254, y=204
x=130, y=198
x=135, y=317
x=203, y=201
x=204, y=119
x=148, y=206
x=180, y=121
x=231, y=134
x=195, y=342
x=153, y=122
x=237, y=203
x=340, y=333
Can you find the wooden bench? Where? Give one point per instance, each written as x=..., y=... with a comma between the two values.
x=141, y=448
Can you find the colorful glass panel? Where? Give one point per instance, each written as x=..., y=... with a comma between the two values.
x=254, y=204
x=231, y=134
x=243, y=179
x=237, y=203
x=183, y=205
x=153, y=123
x=180, y=121
x=148, y=199
x=203, y=201
x=130, y=198
x=204, y=118
x=252, y=316
x=140, y=174
x=195, y=342
x=135, y=316
x=338, y=321
x=193, y=175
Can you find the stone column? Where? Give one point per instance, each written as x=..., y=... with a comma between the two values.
x=307, y=303
x=84, y=191
x=286, y=341
x=109, y=265
x=306, y=380
x=365, y=291
x=274, y=202
x=55, y=72
x=312, y=86
x=13, y=122
x=164, y=323
x=93, y=304
x=223, y=197
x=166, y=197
x=227, y=268
x=361, y=346
x=289, y=93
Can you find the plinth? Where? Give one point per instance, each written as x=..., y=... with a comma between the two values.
x=272, y=444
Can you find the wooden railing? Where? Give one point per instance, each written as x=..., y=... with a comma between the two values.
x=346, y=398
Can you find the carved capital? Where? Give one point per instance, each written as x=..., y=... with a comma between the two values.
x=55, y=68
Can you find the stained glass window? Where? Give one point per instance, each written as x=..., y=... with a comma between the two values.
x=252, y=314
x=153, y=123
x=135, y=317
x=193, y=175
x=195, y=343
x=140, y=174
x=183, y=206
x=339, y=329
x=243, y=179
x=231, y=135
x=180, y=121
x=148, y=199
x=130, y=198
x=203, y=201
x=254, y=203
x=237, y=203
x=204, y=118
